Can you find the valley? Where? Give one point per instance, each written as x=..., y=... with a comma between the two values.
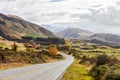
x=60, y=40
x=23, y=44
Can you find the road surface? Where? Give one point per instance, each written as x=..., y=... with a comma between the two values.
x=46, y=71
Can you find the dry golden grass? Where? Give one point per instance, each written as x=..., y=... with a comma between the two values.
x=12, y=65
x=7, y=44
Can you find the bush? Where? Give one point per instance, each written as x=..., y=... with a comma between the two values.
x=107, y=68
x=7, y=49
x=102, y=59
x=34, y=45
x=76, y=54
x=1, y=48
x=2, y=57
x=26, y=57
x=26, y=45
x=87, y=59
x=99, y=72
x=53, y=50
x=68, y=46
x=105, y=59
x=113, y=73
x=14, y=47
x=106, y=72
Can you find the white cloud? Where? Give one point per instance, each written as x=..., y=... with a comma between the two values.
x=94, y=15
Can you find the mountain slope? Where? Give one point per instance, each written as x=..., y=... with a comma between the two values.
x=13, y=27
x=74, y=33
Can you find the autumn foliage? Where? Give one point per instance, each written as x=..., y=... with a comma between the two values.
x=53, y=50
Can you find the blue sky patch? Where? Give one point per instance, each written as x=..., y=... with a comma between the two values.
x=56, y=0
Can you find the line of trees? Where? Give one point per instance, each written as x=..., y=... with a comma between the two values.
x=46, y=40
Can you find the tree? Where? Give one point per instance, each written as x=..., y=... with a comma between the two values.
x=53, y=50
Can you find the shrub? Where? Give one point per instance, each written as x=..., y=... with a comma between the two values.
x=14, y=47
x=107, y=68
x=85, y=58
x=26, y=57
x=34, y=45
x=102, y=59
x=76, y=54
x=2, y=57
x=26, y=45
x=105, y=59
x=7, y=49
x=1, y=48
x=99, y=72
x=53, y=50
x=67, y=45
x=106, y=72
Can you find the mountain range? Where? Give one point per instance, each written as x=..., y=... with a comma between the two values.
x=97, y=38
x=13, y=27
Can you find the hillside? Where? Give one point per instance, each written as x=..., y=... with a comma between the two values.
x=74, y=33
x=107, y=39
x=13, y=27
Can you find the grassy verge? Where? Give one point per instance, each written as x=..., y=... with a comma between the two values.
x=77, y=72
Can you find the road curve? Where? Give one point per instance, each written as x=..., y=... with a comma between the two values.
x=46, y=71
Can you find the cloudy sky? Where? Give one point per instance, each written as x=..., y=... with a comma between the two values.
x=94, y=15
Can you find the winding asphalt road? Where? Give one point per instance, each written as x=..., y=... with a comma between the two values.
x=46, y=71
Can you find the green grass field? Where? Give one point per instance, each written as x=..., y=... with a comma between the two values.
x=77, y=72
